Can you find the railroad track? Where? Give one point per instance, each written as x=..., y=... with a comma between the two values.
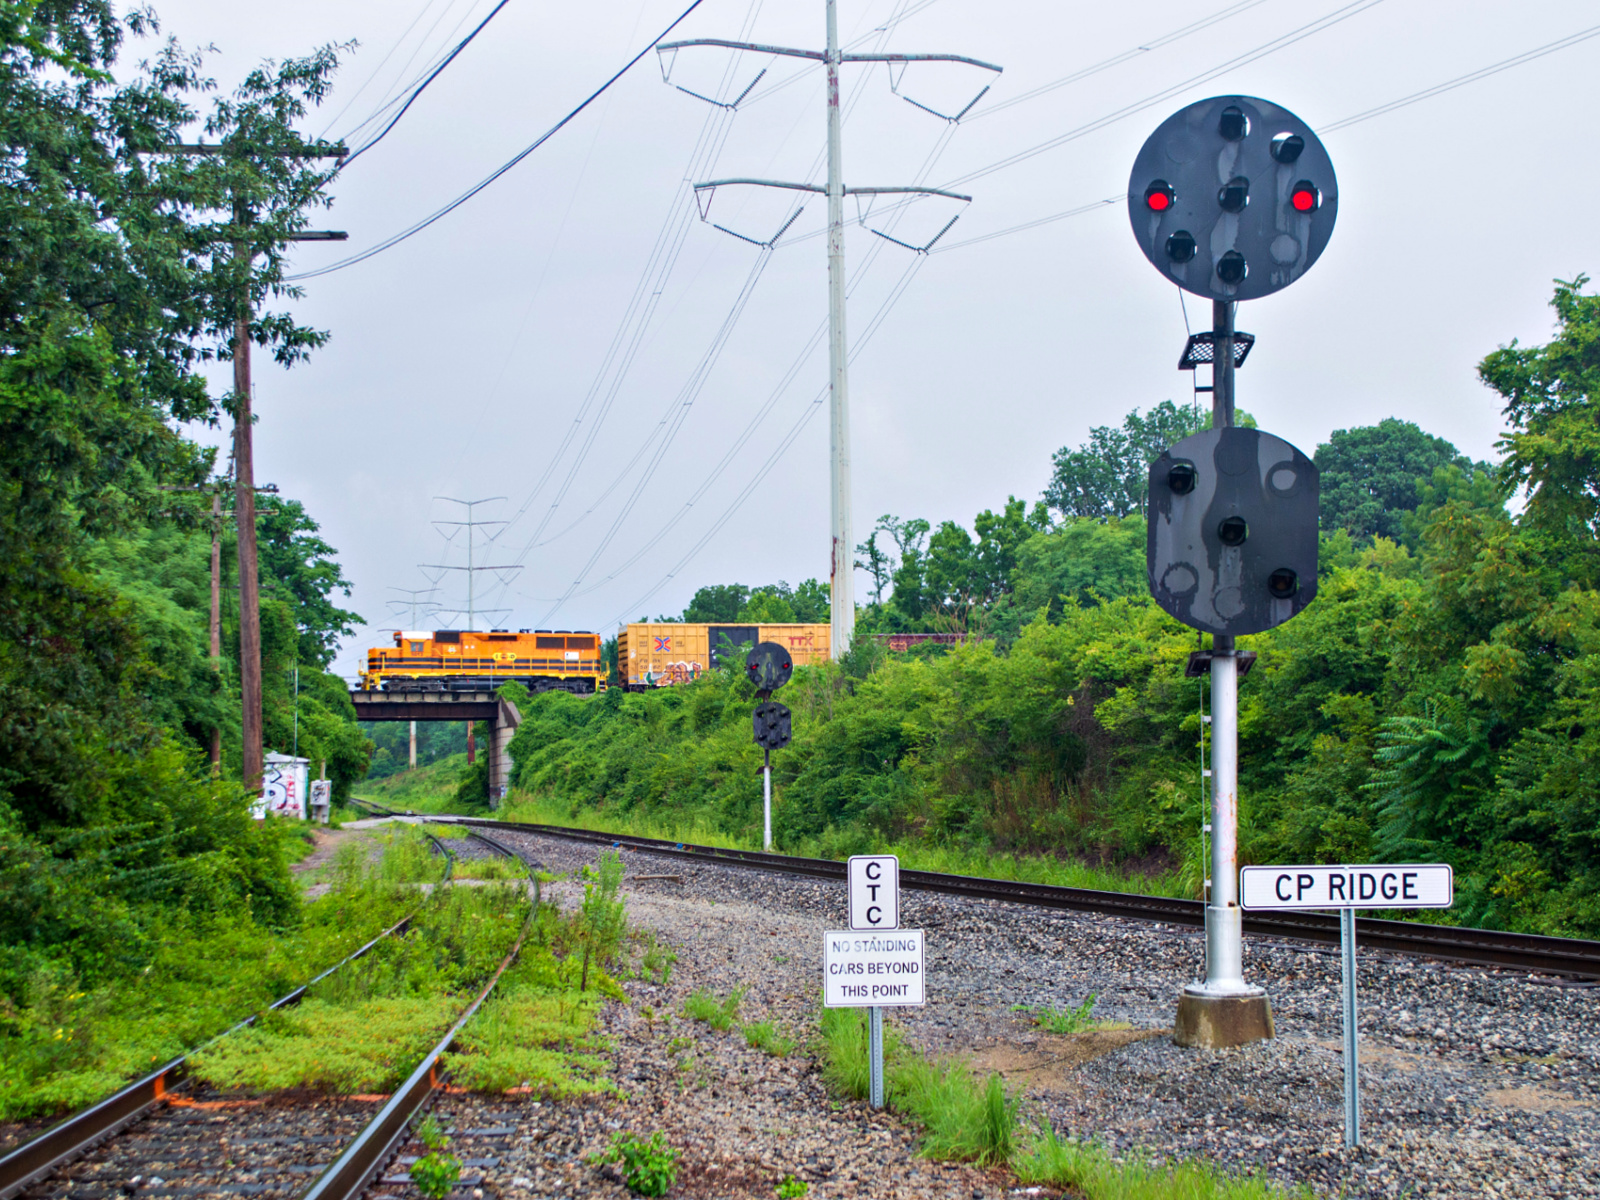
x=165, y=1136
x=1568, y=958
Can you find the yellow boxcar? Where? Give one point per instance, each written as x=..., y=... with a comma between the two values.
x=454, y=660
x=660, y=654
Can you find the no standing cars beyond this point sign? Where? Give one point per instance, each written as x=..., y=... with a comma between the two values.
x=874, y=891
x=1233, y=198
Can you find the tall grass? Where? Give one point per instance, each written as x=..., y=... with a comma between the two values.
x=972, y=1119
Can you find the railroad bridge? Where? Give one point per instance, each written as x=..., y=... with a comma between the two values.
x=502, y=716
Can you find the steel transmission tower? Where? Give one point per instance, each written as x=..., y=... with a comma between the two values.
x=841, y=568
x=471, y=568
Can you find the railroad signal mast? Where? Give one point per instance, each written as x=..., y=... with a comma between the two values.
x=1232, y=198
x=841, y=561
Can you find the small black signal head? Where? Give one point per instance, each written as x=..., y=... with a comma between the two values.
x=1181, y=247
x=1283, y=583
x=768, y=666
x=1181, y=477
x=1233, y=125
x=1159, y=196
x=1232, y=268
x=1287, y=147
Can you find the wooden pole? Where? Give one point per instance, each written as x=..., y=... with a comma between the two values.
x=216, y=615
x=251, y=761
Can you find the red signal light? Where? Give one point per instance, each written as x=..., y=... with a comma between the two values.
x=1158, y=197
x=1305, y=197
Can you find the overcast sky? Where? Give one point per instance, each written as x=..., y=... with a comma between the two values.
x=584, y=285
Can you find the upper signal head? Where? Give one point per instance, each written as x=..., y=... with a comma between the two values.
x=1233, y=198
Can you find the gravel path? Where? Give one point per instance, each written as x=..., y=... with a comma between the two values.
x=1474, y=1082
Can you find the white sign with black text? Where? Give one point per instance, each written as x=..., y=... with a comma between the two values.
x=1401, y=885
x=867, y=970
x=874, y=891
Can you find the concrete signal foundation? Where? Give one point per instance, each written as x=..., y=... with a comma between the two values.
x=1216, y=1022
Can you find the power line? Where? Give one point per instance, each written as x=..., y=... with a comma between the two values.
x=1117, y=60
x=423, y=86
x=1450, y=85
x=439, y=214
x=1283, y=41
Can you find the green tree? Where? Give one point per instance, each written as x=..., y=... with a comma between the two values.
x=1109, y=474
x=300, y=568
x=1552, y=403
x=1373, y=477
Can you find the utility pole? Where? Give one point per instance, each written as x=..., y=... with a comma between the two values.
x=841, y=560
x=415, y=605
x=251, y=754
x=216, y=488
x=471, y=569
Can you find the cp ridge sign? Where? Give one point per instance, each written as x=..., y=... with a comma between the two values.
x=1398, y=885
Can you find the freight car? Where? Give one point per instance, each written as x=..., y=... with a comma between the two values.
x=659, y=654
x=456, y=660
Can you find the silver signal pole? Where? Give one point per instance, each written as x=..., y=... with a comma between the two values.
x=841, y=562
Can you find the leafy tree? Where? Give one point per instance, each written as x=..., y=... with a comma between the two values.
x=718, y=604
x=1374, y=476
x=1552, y=396
x=1108, y=475
x=300, y=568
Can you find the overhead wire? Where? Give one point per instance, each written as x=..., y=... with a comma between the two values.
x=395, y=239
x=669, y=432
x=374, y=73
x=411, y=97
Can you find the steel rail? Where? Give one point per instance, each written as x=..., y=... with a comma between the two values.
x=1532, y=953
x=364, y=1158
x=82, y=1131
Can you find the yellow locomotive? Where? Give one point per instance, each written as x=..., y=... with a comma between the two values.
x=455, y=660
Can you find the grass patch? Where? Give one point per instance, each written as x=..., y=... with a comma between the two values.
x=363, y=1030
x=1090, y=1168
x=1068, y=1020
x=496, y=868
x=719, y=1014
x=976, y=1120
x=766, y=1037
x=68, y=1046
x=429, y=789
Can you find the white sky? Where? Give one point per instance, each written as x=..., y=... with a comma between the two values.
x=461, y=359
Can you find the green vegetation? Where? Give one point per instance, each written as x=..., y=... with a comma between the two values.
x=701, y=1005
x=648, y=1168
x=1093, y=1172
x=436, y=1172
x=766, y=1037
x=965, y=1118
x=364, y=1030
x=428, y=789
x=141, y=909
x=1440, y=700
x=792, y=1188
x=1067, y=1020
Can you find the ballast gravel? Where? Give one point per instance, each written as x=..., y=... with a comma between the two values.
x=1474, y=1082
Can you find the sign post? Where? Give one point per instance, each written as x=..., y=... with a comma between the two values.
x=876, y=965
x=1399, y=885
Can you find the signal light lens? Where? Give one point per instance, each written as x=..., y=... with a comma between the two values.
x=1234, y=195
x=1180, y=478
x=1181, y=246
x=1305, y=197
x=1287, y=147
x=1234, y=125
x=1232, y=268
x=1158, y=197
x=1233, y=531
x=1283, y=583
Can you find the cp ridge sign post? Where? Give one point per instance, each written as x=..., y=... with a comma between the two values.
x=1232, y=198
x=1386, y=885
x=876, y=964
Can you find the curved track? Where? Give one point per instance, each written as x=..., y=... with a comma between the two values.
x=1537, y=955
x=261, y=1146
